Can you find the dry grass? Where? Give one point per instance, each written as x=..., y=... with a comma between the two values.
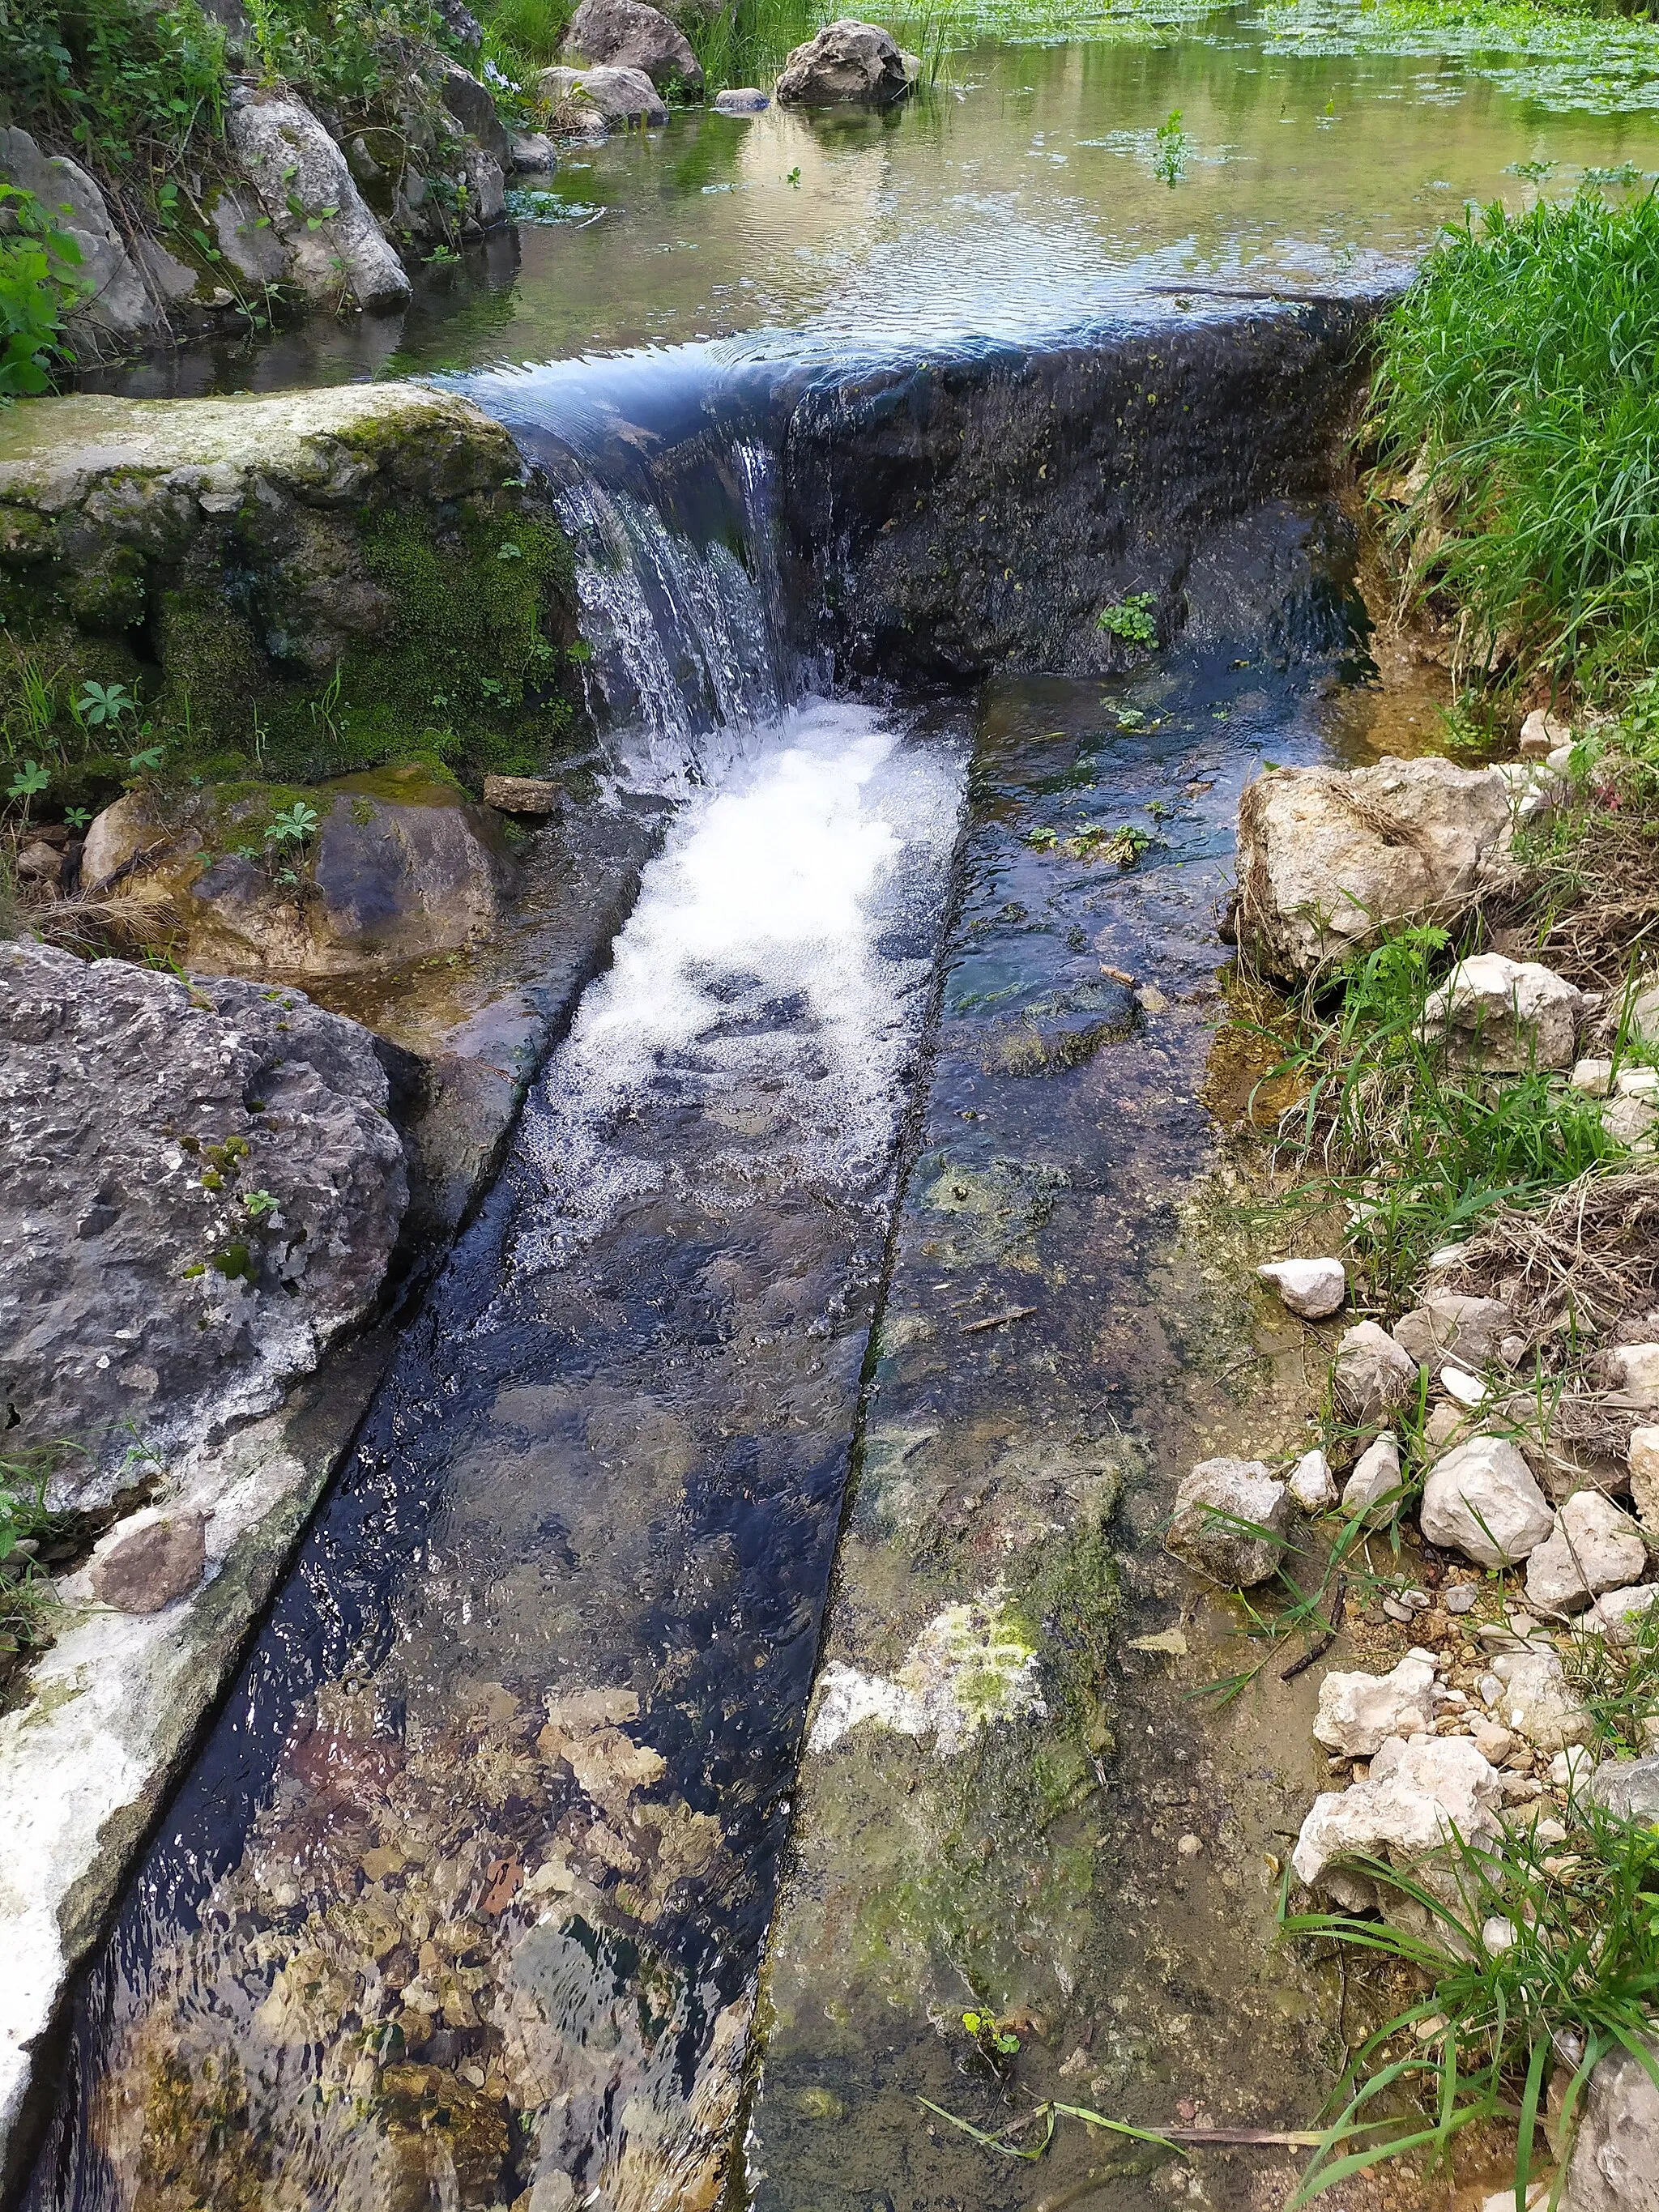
x=142, y=920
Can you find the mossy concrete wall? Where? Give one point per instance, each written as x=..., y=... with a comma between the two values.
x=299, y=585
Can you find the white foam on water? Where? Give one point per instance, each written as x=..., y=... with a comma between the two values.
x=767, y=990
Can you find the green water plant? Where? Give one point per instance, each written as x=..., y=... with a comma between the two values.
x=1174, y=150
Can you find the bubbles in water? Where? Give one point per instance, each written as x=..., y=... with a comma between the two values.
x=759, y=993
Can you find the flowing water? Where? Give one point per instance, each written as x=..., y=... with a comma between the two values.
x=716, y=1668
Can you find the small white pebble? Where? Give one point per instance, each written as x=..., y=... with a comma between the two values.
x=1463, y=1597
x=1448, y=1256
x=1189, y=1847
x=1468, y=1389
x=1497, y=1934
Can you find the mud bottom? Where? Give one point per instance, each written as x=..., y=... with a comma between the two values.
x=1006, y=1807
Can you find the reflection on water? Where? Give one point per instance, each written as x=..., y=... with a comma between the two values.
x=1020, y=198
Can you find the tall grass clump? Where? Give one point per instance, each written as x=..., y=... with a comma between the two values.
x=523, y=36
x=1517, y=388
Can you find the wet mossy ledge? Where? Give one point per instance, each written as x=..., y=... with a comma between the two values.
x=276, y=590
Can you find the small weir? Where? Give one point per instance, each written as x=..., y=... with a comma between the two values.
x=465, y=1904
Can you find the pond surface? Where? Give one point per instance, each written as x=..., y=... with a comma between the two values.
x=1016, y=199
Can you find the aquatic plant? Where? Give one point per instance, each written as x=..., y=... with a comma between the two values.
x=1517, y=393
x=1133, y=618
x=1174, y=150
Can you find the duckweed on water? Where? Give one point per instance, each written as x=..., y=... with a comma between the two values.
x=1564, y=59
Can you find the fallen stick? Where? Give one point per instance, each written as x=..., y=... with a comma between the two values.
x=1321, y=1644
x=996, y=1321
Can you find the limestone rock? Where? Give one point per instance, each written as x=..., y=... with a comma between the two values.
x=1310, y=1483
x=1633, y=1371
x=615, y=95
x=1594, y=1547
x=1617, y=1612
x=399, y=869
x=741, y=100
x=1628, y=1787
x=523, y=794
x=1327, y=860
x=1312, y=1288
x=1357, y=1713
x=1534, y=1701
x=1629, y=1120
x=1482, y=1500
x=1592, y=1076
x=244, y=237
x=629, y=35
x=150, y=1560
x=1542, y=732
x=333, y=243
x=1420, y=1790
x=848, y=61
x=1505, y=1015
x=1217, y=1493
x=141, y=1118
x=1614, y=2163
x=1374, y=1377
x=119, y=303
x=1375, y=1478
x=1472, y=1329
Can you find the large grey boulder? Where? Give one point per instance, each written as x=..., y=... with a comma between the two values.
x=1328, y=860
x=1420, y=1793
x=847, y=62
x=119, y=303
x=199, y=1190
x=1505, y=1015
x=1593, y=1547
x=399, y=868
x=1211, y=1505
x=1483, y=1500
x=613, y=95
x=334, y=245
x=629, y=35
x=1614, y=2165
x=1373, y=1376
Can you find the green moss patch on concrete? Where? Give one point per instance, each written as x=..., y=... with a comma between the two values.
x=294, y=588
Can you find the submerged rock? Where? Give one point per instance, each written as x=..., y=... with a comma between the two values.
x=1483, y=1500
x=333, y=243
x=631, y=35
x=1505, y=1015
x=1615, y=2163
x=1212, y=1502
x=741, y=100
x=1328, y=860
x=199, y=1189
x=846, y=62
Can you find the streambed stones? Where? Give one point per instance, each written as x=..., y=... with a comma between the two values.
x=1357, y=1711
x=1593, y=1546
x=1311, y=1288
x=1373, y=1376
x=1483, y=1500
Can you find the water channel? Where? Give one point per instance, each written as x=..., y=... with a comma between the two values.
x=716, y=1668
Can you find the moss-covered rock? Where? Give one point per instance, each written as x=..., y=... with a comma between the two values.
x=298, y=586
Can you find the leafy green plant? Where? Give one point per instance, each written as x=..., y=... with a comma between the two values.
x=38, y=293
x=104, y=704
x=293, y=826
x=1174, y=150
x=24, y=1593
x=1133, y=619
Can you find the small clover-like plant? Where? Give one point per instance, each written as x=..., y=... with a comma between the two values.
x=1133, y=619
x=260, y=1203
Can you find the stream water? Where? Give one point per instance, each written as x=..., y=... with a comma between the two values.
x=716, y=1668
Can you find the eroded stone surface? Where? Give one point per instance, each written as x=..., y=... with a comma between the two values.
x=615, y=95
x=846, y=62
x=1310, y=1483
x=150, y=1560
x=1373, y=1376
x=1217, y=1496
x=1615, y=2165
x=1357, y=1711
x=1534, y=1701
x=333, y=243
x=1481, y=1500
x=199, y=1190
x=631, y=35
x=1472, y=1329
x=1592, y=1547
x=1375, y=1478
x=1311, y=1288
x=1327, y=860
x=1418, y=1791
x=1505, y=1015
